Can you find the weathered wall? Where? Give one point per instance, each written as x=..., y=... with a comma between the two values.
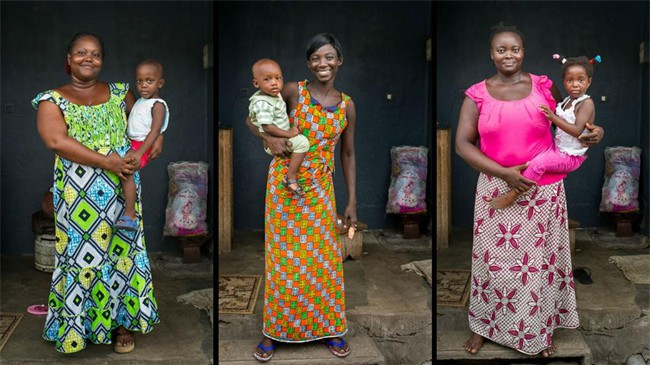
x=35, y=36
x=644, y=182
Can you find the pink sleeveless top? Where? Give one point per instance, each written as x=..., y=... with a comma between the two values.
x=513, y=132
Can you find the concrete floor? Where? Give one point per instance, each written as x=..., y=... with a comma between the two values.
x=392, y=307
x=183, y=337
x=613, y=312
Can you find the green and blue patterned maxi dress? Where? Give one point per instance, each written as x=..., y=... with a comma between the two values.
x=102, y=277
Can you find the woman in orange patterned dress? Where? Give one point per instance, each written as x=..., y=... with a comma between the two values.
x=304, y=292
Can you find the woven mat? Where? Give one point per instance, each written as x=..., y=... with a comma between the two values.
x=452, y=288
x=8, y=323
x=238, y=293
x=636, y=268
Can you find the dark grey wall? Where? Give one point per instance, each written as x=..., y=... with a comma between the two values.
x=384, y=51
x=611, y=29
x=35, y=36
x=644, y=182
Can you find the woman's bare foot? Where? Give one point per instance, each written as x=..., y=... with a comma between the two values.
x=549, y=351
x=474, y=343
x=123, y=340
x=504, y=201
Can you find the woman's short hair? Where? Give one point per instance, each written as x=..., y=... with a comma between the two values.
x=86, y=34
x=322, y=39
x=502, y=27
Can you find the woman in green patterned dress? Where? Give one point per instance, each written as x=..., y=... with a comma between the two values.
x=101, y=287
x=304, y=294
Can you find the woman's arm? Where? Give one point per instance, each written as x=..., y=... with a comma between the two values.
x=466, y=138
x=54, y=133
x=129, y=100
x=277, y=145
x=556, y=93
x=348, y=160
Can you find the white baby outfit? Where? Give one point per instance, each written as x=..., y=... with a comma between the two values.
x=565, y=142
x=140, y=118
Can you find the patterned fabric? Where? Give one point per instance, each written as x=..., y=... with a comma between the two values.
x=522, y=280
x=102, y=277
x=304, y=291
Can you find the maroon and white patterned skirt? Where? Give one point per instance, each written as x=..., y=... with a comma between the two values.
x=522, y=280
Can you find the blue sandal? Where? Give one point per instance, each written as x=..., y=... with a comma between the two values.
x=265, y=349
x=127, y=223
x=330, y=344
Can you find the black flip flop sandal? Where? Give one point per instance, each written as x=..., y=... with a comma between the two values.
x=583, y=275
x=298, y=192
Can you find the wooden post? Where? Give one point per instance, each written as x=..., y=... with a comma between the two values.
x=443, y=183
x=225, y=190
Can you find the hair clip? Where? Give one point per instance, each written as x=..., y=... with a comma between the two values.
x=561, y=59
x=596, y=59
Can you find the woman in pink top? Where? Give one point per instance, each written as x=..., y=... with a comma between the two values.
x=522, y=281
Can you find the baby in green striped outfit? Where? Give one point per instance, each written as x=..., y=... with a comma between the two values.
x=268, y=112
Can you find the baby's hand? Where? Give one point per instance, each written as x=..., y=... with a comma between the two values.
x=294, y=131
x=546, y=111
x=133, y=159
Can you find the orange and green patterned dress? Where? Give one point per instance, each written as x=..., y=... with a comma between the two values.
x=304, y=294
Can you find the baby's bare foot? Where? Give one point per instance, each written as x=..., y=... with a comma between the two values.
x=504, y=201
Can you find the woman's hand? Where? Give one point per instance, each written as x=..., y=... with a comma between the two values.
x=350, y=216
x=278, y=146
x=594, y=136
x=118, y=165
x=512, y=176
x=156, y=148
